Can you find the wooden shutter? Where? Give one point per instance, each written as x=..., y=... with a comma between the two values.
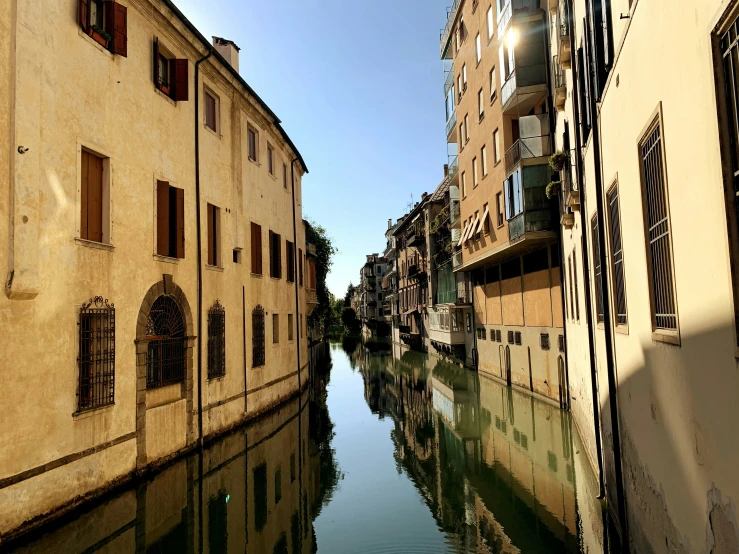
x=211, y=236
x=181, y=81
x=95, y=199
x=84, y=192
x=163, y=218
x=84, y=12
x=278, y=252
x=156, y=62
x=117, y=26
x=180, y=194
x=256, y=249
x=300, y=266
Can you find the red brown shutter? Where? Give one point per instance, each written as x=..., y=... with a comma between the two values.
x=84, y=11
x=257, y=245
x=163, y=218
x=181, y=81
x=117, y=24
x=180, y=223
x=300, y=266
x=211, y=235
x=156, y=62
x=95, y=199
x=83, y=197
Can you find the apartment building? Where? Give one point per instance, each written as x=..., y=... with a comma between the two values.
x=646, y=132
x=155, y=289
x=371, y=302
x=499, y=121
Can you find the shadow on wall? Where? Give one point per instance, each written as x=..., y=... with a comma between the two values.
x=678, y=415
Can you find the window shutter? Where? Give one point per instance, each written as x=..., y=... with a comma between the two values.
x=211, y=234
x=271, y=254
x=163, y=218
x=84, y=11
x=607, y=38
x=181, y=81
x=156, y=62
x=278, y=249
x=300, y=266
x=83, y=196
x=259, y=249
x=180, y=223
x=117, y=23
x=95, y=199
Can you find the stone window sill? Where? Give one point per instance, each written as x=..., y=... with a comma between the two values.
x=94, y=244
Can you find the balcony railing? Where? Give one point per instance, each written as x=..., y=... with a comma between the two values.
x=562, y=22
x=457, y=259
x=508, y=88
x=446, y=31
x=516, y=226
x=559, y=74
x=417, y=270
x=453, y=166
x=449, y=81
x=454, y=212
x=510, y=10
x=525, y=76
x=416, y=233
x=527, y=148
x=451, y=123
x=311, y=296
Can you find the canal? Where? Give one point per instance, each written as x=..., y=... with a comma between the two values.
x=388, y=451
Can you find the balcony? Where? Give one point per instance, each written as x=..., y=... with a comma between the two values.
x=560, y=85
x=446, y=32
x=512, y=9
x=453, y=170
x=457, y=258
x=454, y=214
x=446, y=326
x=536, y=212
x=534, y=145
x=311, y=299
x=415, y=235
x=524, y=88
x=451, y=128
x=417, y=270
x=563, y=27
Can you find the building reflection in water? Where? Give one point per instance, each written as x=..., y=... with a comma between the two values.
x=255, y=491
x=499, y=470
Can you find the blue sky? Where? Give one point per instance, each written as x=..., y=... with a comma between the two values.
x=358, y=85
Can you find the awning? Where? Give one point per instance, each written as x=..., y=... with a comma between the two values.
x=483, y=219
x=464, y=233
x=471, y=231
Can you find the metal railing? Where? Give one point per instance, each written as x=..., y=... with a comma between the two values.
x=311, y=297
x=516, y=226
x=457, y=259
x=559, y=74
x=453, y=166
x=446, y=31
x=508, y=88
x=451, y=123
x=416, y=231
x=449, y=81
x=509, y=10
x=454, y=212
x=562, y=22
x=527, y=148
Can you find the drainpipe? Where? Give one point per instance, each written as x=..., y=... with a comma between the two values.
x=610, y=358
x=475, y=354
x=199, y=249
x=295, y=266
x=585, y=259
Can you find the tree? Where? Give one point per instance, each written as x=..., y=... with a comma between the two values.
x=350, y=321
x=325, y=250
x=349, y=294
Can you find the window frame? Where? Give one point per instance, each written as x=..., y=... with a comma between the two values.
x=270, y=159
x=216, y=341
x=173, y=252
x=614, y=189
x=259, y=338
x=208, y=93
x=493, y=84
x=484, y=160
x=96, y=308
x=478, y=49
x=213, y=230
x=252, y=131
x=106, y=196
x=496, y=147
x=275, y=329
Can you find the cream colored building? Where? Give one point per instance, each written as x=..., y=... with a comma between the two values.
x=155, y=251
x=647, y=113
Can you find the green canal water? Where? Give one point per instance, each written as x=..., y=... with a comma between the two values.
x=388, y=451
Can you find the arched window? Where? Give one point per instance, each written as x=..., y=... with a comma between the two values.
x=216, y=341
x=97, y=354
x=257, y=337
x=165, y=333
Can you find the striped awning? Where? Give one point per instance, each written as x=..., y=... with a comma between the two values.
x=482, y=220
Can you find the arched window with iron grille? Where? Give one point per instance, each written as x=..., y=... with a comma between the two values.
x=216, y=341
x=165, y=333
x=97, y=354
x=257, y=337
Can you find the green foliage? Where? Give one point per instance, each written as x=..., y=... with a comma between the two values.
x=325, y=250
x=553, y=188
x=558, y=160
x=350, y=320
x=349, y=294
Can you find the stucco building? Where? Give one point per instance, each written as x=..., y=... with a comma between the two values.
x=647, y=124
x=155, y=289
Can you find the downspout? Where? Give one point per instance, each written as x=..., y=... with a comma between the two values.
x=585, y=260
x=610, y=358
x=474, y=327
x=199, y=249
x=295, y=267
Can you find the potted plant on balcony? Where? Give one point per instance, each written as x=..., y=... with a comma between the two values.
x=558, y=160
x=553, y=188
x=100, y=35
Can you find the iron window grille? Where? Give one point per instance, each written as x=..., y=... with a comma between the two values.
x=257, y=341
x=497, y=335
x=659, y=253
x=544, y=341
x=518, y=338
x=165, y=333
x=216, y=341
x=510, y=337
x=97, y=354
x=597, y=269
x=617, y=256
x=561, y=343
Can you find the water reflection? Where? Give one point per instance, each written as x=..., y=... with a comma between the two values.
x=388, y=451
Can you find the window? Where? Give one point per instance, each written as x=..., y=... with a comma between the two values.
x=216, y=341
x=257, y=337
x=252, y=138
x=493, y=85
x=544, y=341
x=237, y=255
x=659, y=242
x=464, y=185
x=499, y=209
x=284, y=175
x=290, y=252
x=484, y=160
x=97, y=355
x=466, y=129
x=496, y=146
x=275, y=329
x=214, y=235
x=514, y=195
x=572, y=299
x=597, y=269
x=171, y=76
x=270, y=159
x=300, y=267
x=459, y=87
x=275, y=256
x=290, y=327
x=170, y=220
x=106, y=23
x=617, y=256
x=166, y=348
x=464, y=77
x=474, y=173
x=478, y=48
x=94, y=197
x=211, y=111
x=490, y=22
x=518, y=338
x=256, y=249
x=485, y=223
x=577, y=293
x=480, y=105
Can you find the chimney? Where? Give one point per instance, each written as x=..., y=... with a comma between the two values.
x=228, y=50
x=389, y=223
